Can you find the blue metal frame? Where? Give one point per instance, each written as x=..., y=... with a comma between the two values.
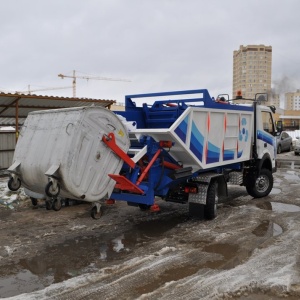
x=207, y=100
x=156, y=184
x=160, y=115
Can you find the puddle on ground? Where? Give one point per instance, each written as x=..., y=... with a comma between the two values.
x=170, y=275
x=266, y=205
x=277, y=230
x=283, y=207
x=267, y=229
x=278, y=206
x=292, y=176
x=264, y=296
x=275, y=191
x=78, y=256
x=230, y=256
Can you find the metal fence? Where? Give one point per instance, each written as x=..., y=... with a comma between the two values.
x=7, y=148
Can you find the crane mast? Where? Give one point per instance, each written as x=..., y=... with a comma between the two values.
x=74, y=77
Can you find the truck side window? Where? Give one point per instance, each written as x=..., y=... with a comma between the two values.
x=268, y=123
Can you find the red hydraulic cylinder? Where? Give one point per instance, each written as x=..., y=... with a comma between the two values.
x=148, y=167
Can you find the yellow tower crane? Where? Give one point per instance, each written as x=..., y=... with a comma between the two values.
x=46, y=89
x=30, y=90
x=74, y=77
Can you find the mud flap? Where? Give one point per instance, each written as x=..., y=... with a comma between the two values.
x=196, y=210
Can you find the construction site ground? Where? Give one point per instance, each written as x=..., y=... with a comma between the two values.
x=250, y=251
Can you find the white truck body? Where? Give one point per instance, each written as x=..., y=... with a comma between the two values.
x=205, y=138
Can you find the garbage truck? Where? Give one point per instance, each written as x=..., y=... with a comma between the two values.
x=184, y=147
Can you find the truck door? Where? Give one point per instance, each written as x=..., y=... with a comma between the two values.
x=266, y=141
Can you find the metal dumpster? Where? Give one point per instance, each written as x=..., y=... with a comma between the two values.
x=60, y=151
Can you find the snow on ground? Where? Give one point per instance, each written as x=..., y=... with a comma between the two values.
x=267, y=266
x=258, y=273
x=8, y=198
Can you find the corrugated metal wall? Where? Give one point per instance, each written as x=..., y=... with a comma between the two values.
x=7, y=148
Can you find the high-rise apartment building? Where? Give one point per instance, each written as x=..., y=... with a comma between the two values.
x=274, y=99
x=292, y=101
x=252, y=69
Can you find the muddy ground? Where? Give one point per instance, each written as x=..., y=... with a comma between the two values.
x=250, y=251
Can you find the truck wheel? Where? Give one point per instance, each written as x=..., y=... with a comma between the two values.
x=50, y=191
x=14, y=185
x=262, y=185
x=196, y=210
x=210, y=209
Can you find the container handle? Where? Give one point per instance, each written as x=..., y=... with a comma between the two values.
x=110, y=125
x=67, y=128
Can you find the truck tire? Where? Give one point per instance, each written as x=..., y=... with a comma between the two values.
x=210, y=209
x=262, y=185
x=196, y=210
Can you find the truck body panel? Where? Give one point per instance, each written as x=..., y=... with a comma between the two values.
x=206, y=139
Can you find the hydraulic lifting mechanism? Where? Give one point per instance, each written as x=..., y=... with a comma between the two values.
x=186, y=150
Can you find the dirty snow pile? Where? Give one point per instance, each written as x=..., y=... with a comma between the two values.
x=274, y=269
x=8, y=198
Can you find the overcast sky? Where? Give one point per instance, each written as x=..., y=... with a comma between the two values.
x=160, y=45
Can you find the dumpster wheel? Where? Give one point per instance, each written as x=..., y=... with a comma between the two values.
x=48, y=204
x=34, y=201
x=56, y=205
x=13, y=184
x=50, y=190
x=95, y=214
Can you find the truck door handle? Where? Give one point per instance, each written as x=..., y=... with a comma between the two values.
x=265, y=145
